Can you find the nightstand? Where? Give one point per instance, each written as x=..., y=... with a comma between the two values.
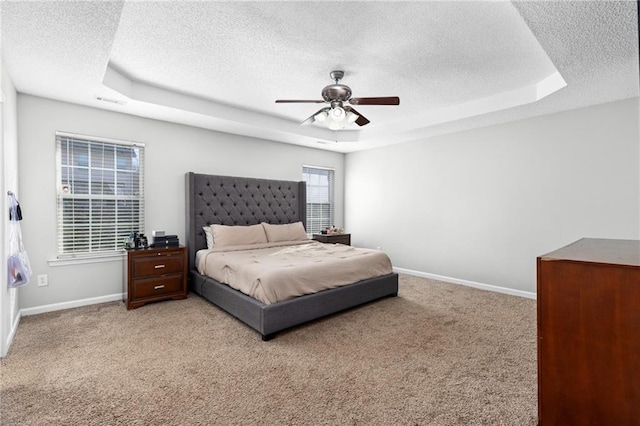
x=333, y=238
x=155, y=274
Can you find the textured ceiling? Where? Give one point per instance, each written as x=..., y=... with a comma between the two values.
x=221, y=65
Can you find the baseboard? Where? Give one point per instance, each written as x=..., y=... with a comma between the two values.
x=473, y=284
x=71, y=304
x=118, y=296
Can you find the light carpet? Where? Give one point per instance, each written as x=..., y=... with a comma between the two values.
x=438, y=354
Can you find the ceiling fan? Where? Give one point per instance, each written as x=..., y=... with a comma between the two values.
x=337, y=114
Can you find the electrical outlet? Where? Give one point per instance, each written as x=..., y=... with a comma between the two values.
x=43, y=280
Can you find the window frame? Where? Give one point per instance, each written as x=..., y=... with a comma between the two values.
x=115, y=239
x=312, y=226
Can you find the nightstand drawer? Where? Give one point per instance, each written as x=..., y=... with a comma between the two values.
x=157, y=286
x=157, y=265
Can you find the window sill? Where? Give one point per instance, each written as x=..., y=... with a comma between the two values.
x=80, y=260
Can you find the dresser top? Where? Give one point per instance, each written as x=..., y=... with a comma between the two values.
x=596, y=250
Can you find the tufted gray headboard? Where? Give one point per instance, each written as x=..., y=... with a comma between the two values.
x=229, y=200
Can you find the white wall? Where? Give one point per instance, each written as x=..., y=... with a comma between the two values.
x=480, y=205
x=477, y=206
x=171, y=151
x=9, y=182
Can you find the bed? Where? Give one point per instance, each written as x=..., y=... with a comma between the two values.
x=234, y=201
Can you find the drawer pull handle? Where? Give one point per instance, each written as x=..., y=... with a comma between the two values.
x=158, y=287
x=159, y=266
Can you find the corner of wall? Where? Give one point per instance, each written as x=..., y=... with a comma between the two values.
x=9, y=314
x=6, y=344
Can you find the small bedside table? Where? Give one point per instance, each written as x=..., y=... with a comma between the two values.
x=155, y=274
x=333, y=238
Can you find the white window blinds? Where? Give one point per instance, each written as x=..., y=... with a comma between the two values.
x=100, y=193
x=320, y=203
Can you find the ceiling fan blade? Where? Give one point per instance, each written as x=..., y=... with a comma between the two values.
x=297, y=101
x=388, y=100
x=362, y=120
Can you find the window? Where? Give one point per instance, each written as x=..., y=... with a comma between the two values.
x=100, y=193
x=319, y=198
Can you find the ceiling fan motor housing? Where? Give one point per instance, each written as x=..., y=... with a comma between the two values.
x=336, y=92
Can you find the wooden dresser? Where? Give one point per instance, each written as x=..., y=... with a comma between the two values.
x=155, y=274
x=589, y=334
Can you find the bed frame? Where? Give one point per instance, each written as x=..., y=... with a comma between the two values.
x=231, y=200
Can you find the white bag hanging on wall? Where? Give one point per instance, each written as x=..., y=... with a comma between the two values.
x=18, y=266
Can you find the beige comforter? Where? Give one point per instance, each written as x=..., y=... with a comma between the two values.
x=274, y=272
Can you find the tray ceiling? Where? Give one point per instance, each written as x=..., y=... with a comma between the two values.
x=221, y=65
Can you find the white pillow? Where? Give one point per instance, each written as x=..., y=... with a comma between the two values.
x=224, y=236
x=209, y=234
x=285, y=232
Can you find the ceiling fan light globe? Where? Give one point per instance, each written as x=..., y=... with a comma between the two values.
x=337, y=114
x=321, y=116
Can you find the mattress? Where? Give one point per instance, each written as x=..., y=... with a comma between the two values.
x=273, y=272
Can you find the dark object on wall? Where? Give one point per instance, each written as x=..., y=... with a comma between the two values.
x=588, y=339
x=15, y=212
x=18, y=213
